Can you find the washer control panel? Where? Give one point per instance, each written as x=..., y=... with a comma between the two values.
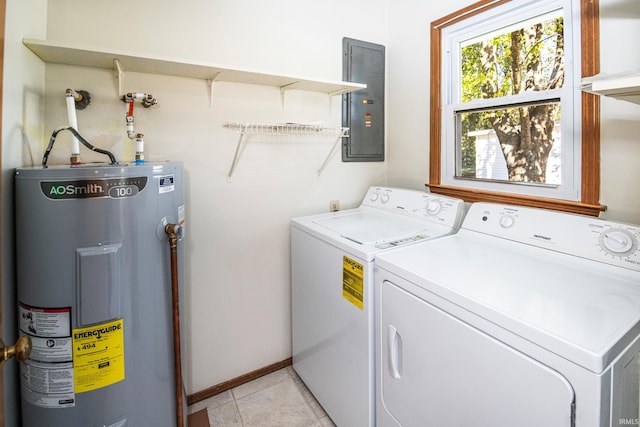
x=400, y=242
x=600, y=240
x=420, y=205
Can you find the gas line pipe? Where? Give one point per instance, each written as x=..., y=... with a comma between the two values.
x=172, y=231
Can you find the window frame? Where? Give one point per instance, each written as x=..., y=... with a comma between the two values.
x=588, y=202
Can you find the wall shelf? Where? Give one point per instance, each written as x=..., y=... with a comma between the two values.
x=71, y=54
x=298, y=129
x=623, y=86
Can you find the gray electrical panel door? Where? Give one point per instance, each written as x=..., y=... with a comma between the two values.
x=363, y=110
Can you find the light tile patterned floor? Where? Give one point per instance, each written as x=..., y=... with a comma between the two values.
x=279, y=399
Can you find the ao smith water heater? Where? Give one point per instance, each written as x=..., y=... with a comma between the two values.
x=98, y=286
x=94, y=293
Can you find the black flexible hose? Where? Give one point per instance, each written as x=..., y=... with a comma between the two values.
x=81, y=139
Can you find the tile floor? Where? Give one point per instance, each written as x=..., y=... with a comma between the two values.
x=279, y=399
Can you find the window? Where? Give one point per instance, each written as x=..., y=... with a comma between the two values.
x=508, y=123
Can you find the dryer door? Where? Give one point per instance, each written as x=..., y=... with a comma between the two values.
x=439, y=371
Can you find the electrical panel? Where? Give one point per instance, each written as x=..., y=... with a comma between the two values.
x=363, y=110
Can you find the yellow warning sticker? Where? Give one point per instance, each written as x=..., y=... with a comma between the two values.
x=98, y=356
x=353, y=282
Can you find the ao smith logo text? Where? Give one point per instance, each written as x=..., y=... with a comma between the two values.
x=72, y=190
x=95, y=188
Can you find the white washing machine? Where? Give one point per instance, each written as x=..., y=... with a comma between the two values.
x=332, y=258
x=524, y=317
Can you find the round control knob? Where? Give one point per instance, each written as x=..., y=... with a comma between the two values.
x=374, y=197
x=384, y=198
x=618, y=241
x=433, y=207
x=507, y=221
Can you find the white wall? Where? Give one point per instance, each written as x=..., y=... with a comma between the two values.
x=22, y=122
x=620, y=120
x=408, y=100
x=237, y=246
x=408, y=89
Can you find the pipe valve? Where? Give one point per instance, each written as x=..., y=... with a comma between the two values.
x=81, y=98
x=174, y=231
x=146, y=98
x=148, y=101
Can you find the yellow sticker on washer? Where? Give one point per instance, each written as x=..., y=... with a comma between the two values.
x=353, y=282
x=98, y=356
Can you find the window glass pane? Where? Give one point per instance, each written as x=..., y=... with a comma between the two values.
x=516, y=59
x=512, y=144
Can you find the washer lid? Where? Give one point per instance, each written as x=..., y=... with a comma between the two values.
x=364, y=232
x=368, y=228
x=582, y=310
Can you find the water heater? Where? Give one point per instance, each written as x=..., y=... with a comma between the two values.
x=94, y=287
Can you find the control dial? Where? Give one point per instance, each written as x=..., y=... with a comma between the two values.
x=618, y=241
x=433, y=207
x=384, y=198
x=507, y=221
x=374, y=197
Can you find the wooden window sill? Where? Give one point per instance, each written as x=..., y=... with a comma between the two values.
x=513, y=199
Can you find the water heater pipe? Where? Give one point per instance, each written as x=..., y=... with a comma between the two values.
x=80, y=100
x=73, y=122
x=172, y=231
x=147, y=101
x=139, y=148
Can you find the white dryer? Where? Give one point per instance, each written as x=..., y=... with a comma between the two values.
x=525, y=317
x=332, y=258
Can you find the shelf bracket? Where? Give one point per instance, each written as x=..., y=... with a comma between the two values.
x=283, y=90
x=335, y=93
x=236, y=156
x=210, y=83
x=119, y=76
x=338, y=92
x=343, y=134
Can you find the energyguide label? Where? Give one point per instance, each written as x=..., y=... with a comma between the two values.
x=353, y=282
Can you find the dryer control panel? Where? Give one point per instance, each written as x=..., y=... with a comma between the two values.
x=600, y=240
x=421, y=205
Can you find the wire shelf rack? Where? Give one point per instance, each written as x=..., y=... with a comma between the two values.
x=297, y=129
x=300, y=129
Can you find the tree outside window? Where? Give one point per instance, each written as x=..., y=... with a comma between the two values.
x=530, y=58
